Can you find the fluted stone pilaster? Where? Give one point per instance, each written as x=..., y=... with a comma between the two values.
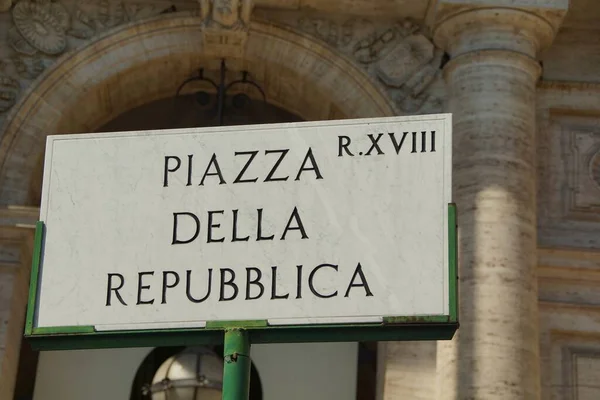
x=491, y=78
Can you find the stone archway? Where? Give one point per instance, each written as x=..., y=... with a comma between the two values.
x=138, y=63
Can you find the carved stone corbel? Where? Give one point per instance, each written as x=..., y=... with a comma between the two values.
x=225, y=26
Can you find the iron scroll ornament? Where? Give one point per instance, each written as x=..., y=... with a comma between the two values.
x=239, y=100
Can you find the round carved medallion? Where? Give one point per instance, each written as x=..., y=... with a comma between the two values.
x=43, y=25
x=595, y=168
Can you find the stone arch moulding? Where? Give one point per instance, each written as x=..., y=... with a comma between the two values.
x=133, y=64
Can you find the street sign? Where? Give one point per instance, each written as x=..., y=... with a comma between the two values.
x=329, y=228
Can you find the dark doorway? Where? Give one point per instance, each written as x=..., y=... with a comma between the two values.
x=192, y=111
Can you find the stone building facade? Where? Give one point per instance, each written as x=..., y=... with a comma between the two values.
x=521, y=77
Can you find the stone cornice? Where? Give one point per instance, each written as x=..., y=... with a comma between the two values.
x=569, y=86
x=552, y=10
x=462, y=26
x=497, y=57
x=572, y=309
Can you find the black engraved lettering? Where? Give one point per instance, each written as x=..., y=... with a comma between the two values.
x=374, y=144
x=311, y=284
x=166, y=285
x=309, y=157
x=343, y=143
x=269, y=177
x=397, y=146
x=213, y=162
x=238, y=179
x=188, y=287
x=110, y=289
x=167, y=169
x=363, y=282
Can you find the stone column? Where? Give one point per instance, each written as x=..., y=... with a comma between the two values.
x=491, y=78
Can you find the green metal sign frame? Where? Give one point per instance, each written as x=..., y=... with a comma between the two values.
x=393, y=328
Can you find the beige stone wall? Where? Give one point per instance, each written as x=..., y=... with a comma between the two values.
x=569, y=323
x=568, y=140
x=569, y=231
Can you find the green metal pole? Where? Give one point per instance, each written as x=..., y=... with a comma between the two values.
x=236, y=371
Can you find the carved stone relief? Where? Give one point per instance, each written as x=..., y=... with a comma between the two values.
x=580, y=364
x=397, y=54
x=93, y=17
x=582, y=163
x=42, y=25
x=226, y=24
x=568, y=157
x=9, y=90
x=38, y=31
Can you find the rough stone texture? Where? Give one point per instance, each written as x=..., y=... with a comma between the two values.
x=408, y=370
x=583, y=14
x=568, y=148
x=368, y=8
x=380, y=47
x=395, y=53
x=569, y=282
x=574, y=56
x=491, y=78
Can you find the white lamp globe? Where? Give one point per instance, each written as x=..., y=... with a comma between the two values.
x=196, y=373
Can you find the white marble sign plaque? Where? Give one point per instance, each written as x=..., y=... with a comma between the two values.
x=319, y=222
